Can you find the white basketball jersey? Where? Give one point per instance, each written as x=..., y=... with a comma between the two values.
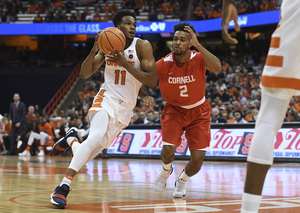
x=119, y=82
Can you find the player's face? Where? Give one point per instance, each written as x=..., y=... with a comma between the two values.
x=181, y=42
x=128, y=27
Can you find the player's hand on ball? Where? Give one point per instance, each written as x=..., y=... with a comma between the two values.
x=118, y=58
x=96, y=46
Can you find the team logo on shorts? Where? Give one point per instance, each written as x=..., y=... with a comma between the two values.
x=131, y=56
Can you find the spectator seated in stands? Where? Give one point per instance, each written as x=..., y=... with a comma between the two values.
x=5, y=128
x=97, y=17
x=216, y=117
x=238, y=117
x=64, y=127
x=43, y=132
x=293, y=115
x=38, y=19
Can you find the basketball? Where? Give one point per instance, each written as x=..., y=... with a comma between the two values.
x=112, y=40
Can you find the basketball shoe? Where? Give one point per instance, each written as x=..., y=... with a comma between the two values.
x=180, y=189
x=25, y=153
x=41, y=153
x=160, y=182
x=59, y=196
x=62, y=145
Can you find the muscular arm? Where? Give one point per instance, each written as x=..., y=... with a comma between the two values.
x=212, y=63
x=92, y=62
x=148, y=74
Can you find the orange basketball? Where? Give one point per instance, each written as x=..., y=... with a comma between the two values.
x=112, y=40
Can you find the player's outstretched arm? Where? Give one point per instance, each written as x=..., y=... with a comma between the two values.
x=229, y=12
x=92, y=62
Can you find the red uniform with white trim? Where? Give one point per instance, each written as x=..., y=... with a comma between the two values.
x=183, y=87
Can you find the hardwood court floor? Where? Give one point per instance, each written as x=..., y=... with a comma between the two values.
x=125, y=186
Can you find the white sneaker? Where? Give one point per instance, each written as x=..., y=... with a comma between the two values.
x=24, y=153
x=180, y=189
x=160, y=182
x=41, y=153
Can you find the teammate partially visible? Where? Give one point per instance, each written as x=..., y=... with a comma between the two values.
x=112, y=107
x=182, y=84
x=280, y=81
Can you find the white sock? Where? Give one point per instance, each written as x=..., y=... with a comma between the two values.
x=167, y=167
x=250, y=203
x=67, y=180
x=183, y=176
x=19, y=144
x=70, y=140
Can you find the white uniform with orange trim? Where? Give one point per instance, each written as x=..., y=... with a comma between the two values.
x=118, y=95
x=282, y=68
x=280, y=81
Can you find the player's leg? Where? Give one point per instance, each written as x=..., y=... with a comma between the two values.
x=43, y=138
x=167, y=157
x=32, y=136
x=192, y=168
x=82, y=153
x=260, y=157
x=197, y=134
x=198, y=137
x=172, y=131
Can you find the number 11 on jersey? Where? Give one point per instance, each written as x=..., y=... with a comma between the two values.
x=117, y=77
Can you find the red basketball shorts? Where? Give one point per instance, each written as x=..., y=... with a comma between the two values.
x=195, y=122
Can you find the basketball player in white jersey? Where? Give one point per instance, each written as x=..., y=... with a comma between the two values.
x=112, y=108
x=280, y=81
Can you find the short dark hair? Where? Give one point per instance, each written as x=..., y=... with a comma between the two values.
x=181, y=26
x=119, y=15
x=237, y=111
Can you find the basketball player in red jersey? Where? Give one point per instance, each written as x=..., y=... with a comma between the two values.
x=112, y=107
x=182, y=84
x=279, y=82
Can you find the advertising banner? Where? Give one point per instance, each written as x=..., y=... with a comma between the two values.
x=245, y=20
x=224, y=143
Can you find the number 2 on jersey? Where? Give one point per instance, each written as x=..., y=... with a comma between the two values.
x=183, y=91
x=117, y=76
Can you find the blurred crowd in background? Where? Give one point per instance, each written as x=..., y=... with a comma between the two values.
x=104, y=10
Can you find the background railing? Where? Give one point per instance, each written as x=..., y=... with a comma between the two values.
x=62, y=91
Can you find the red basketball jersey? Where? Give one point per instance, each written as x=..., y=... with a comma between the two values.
x=182, y=85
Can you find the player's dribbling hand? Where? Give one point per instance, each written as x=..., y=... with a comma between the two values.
x=229, y=12
x=149, y=101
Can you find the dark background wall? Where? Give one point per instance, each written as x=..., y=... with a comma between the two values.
x=36, y=85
